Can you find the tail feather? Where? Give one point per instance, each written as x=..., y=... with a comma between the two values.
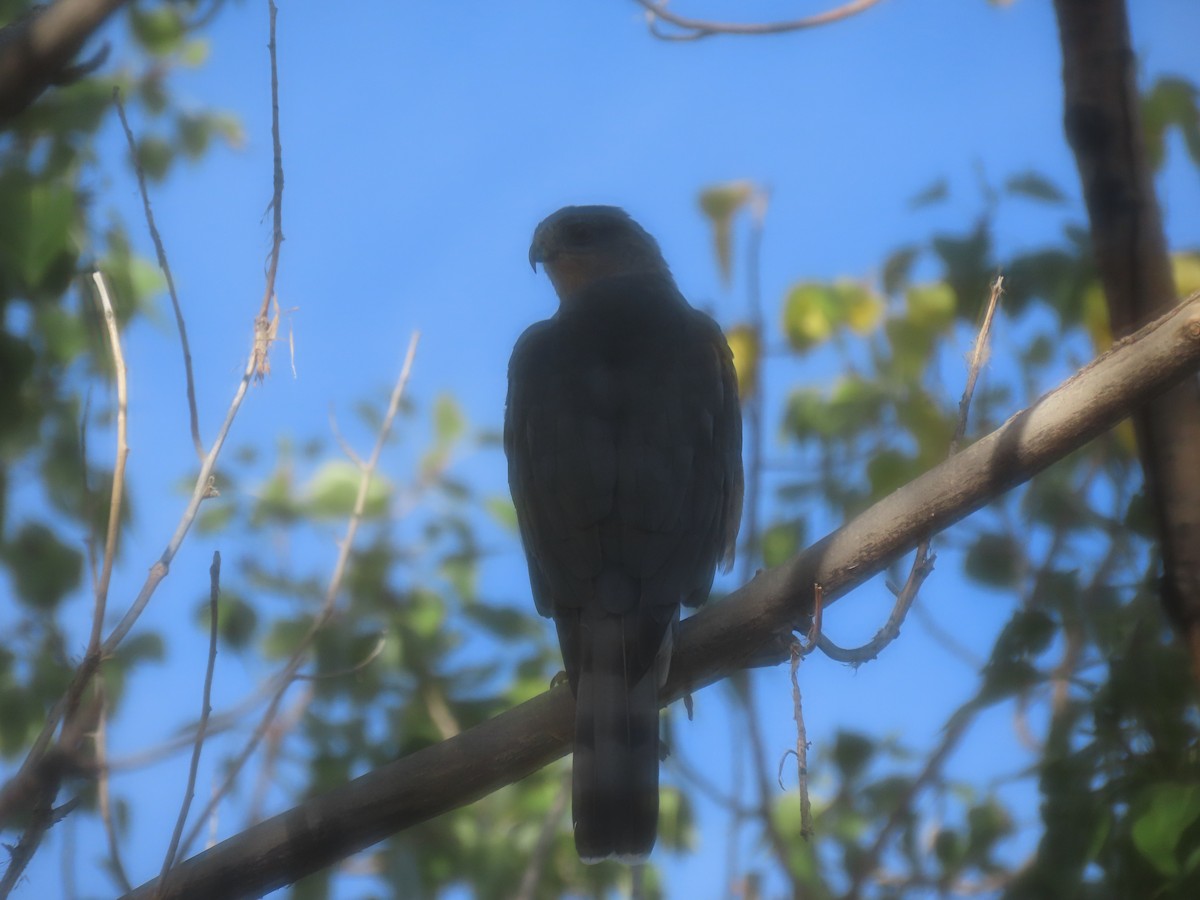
x=615, y=781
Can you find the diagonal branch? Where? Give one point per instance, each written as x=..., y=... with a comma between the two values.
x=163, y=264
x=719, y=640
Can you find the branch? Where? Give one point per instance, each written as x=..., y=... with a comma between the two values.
x=214, y=593
x=922, y=564
x=719, y=640
x=161, y=252
x=36, y=772
x=288, y=674
x=1102, y=118
x=694, y=29
x=36, y=51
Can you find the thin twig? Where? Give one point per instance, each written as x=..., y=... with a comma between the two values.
x=922, y=564
x=341, y=440
x=118, y=488
x=287, y=675
x=775, y=838
x=103, y=796
x=806, y=825
x=265, y=328
x=694, y=29
x=214, y=593
x=541, y=850
x=273, y=747
x=161, y=251
x=953, y=732
x=41, y=782
x=979, y=355
x=24, y=782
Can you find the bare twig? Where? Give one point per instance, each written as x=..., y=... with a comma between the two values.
x=214, y=593
x=30, y=779
x=36, y=780
x=161, y=251
x=118, y=487
x=952, y=734
x=775, y=837
x=806, y=825
x=694, y=29
x=103, y=796
x=273, y=747
x=372, y=655
x=287, y=676
x=922, y=564
x=541, y=850
x=350, y=452
x=979, y=355
x=265, y=328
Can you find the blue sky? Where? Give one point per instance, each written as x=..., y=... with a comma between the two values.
x=423, y=141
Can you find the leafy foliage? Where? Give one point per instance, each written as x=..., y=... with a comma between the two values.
x=405, y=657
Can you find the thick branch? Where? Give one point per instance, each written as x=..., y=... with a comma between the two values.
x=721, y=639
x=36, y=51
x=1103, y=125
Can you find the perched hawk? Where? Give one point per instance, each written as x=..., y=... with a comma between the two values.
x=624, y=443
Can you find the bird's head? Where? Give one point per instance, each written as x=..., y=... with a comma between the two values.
x=580, y=245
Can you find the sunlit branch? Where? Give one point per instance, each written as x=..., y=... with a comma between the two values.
x=752, y=625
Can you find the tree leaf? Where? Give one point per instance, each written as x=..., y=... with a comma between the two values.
x=720, y=204
x=1166, y=811
x=1035, y=187
x=934, y=193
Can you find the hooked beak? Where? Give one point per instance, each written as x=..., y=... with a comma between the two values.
x=536, y=254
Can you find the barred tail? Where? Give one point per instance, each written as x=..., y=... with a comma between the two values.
x=615, y=790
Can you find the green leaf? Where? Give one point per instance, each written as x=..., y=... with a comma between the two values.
x=1165, y=811
x=897, y=267
x=1171, y=103
x=155, y=156
x=888, y=471
x=969, y=266
x=861, y=308
x=747, y=356
x=146, y=646
x=781, y=542
x=992, y=560
x=425, y=613
x=912, y=347
x=37, y=233
x=934, y=193
x=931, y=306
x=809, y=315
x=501, y=509
x=331, y=492
x=1035, y=187
x=449, y=423
x=720, y=204
x=285, y=636
x=158, y=29
x=852, y=753
x=194, y=134
x=44, y=569
x=194, y=53
x=237, y=620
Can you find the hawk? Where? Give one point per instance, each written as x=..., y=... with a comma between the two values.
x=624, y=442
